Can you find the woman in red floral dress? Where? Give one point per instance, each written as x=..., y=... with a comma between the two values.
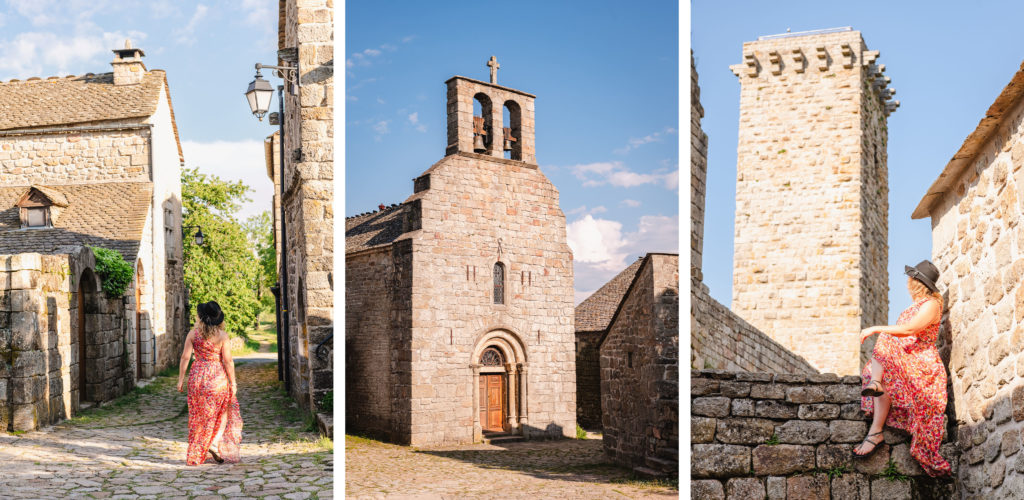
x=905, y=383
x=214, y=422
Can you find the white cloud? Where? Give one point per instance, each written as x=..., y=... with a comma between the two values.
x=260, y=13
x=380, y=101
x=47, y=12
x=414, y=118
x=618, y=175
x=408, y=38
x=236, y=161
x=629, y=203
x=186, y=34
x=601, y=249
x=634, y=143
x=582, y=210
x=43, y=53
x=352, y=98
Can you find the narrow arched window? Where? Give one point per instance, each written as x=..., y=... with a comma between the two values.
x=499, y=283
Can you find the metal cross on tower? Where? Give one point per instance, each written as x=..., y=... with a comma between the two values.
x=493, y=63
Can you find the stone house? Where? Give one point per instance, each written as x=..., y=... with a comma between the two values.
x=639, y=362
x=306, y=39
x=976, y=205
x=459, y=301
x=593, y=317
x=89, y=160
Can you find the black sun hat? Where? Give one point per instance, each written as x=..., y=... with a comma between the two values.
x=210, y=313
x=926, y=273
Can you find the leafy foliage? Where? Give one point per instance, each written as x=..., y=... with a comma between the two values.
x=772, y=440
x=225, y=267
x=892, y=473
x=115, y=272
x=260, y=231
x=580, y=433
x=327, y=402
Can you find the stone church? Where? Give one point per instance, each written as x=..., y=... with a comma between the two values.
x=459, y=301
x=86, y=161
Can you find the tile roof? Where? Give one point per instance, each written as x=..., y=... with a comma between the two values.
x=373, y=229
x=71, y=100
x=595, y=313
x=110, y=215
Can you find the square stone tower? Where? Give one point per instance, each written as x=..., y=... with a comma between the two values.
x=810, y=262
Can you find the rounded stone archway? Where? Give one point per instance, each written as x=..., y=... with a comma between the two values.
x=499, y=366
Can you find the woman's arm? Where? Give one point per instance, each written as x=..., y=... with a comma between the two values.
x=186, y=356
x=229, y=363
x=925, y=316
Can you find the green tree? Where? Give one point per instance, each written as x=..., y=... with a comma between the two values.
x=225, y=267
x=260, y=230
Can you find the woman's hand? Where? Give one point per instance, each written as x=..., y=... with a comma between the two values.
x=180, y=382
x=234, y=389
x=867, y=332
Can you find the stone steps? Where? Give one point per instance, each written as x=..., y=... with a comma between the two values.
x=646, y=473
x=497, y=439
x=662, y=464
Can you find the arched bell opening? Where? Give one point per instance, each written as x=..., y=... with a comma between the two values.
x=500, y=384
x=512, y=134
x=483, y=140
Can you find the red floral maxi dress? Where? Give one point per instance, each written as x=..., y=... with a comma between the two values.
x=209, y=402
x=915, y=379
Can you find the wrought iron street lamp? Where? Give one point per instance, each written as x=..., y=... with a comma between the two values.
x=199, y=234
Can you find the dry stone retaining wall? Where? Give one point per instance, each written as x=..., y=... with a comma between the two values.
x=764, y=436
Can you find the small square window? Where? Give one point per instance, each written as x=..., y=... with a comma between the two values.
x=35, y=217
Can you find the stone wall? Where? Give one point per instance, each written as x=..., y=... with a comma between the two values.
x=639, y=371
x=721, y=340
x=40, y=328
x=812, y=128
x=308, y=25
x=698, y=176
x=588, y=380
x=63, y=158
x=765, y=436
x=978, y=246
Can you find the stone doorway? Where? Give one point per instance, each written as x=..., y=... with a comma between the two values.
x=499, y=384
x=85, y=335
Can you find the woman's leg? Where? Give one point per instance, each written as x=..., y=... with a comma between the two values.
x=881, y=408
x=221, y=425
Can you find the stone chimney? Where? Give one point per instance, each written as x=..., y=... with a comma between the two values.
x=127, y=63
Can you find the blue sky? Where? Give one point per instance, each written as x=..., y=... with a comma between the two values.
x=948, y=63
x=207, y=48
x=606, y=79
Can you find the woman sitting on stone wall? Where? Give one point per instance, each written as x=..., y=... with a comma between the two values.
x=214, y=422
x=905, y=383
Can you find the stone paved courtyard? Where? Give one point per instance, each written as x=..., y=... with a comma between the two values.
x=563, y=469
x=135, y=447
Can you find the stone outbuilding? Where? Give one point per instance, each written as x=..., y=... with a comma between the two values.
x=593, y=316
x=459, y=301
x=639, y=356
x=976, y=205
x=89, y=160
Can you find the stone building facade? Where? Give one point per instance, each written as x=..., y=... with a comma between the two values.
x=459, y=301
x=90, y=160
x=593, y=317
x=307, y=26
x=976, y=205
x=640, y=371
x=813, y=111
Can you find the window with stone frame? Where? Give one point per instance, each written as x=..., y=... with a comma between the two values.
x=36, y=217
x=499, y=283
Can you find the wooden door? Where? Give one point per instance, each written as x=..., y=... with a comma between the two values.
x=138, y=331
x=492, y=402
x=81, y=343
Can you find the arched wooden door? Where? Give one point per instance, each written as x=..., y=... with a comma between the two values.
x=493, y=393
x=81, y=339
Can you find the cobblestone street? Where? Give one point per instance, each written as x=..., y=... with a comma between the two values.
x=134, y=447
x=532, y=469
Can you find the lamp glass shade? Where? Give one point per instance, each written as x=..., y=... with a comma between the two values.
x=259, y=94
x=199, y=237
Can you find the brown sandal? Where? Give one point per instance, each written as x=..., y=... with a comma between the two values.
x=867, y=439
x=874, y=393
